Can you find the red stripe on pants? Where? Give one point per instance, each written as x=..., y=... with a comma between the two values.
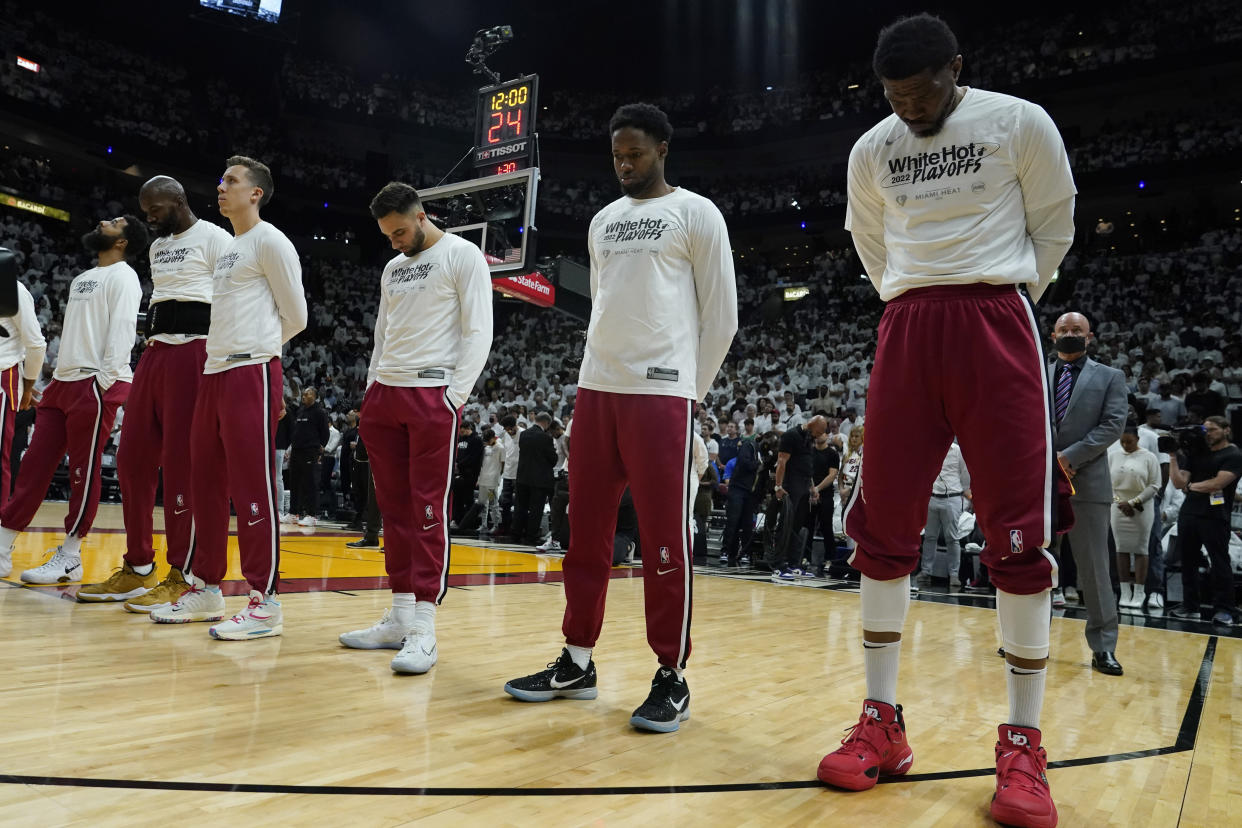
x=961, y=361
x=155, y=435
x=642, y=440
x=232, y=443
x=10, y=398
x=75, y=416
x=411, y=438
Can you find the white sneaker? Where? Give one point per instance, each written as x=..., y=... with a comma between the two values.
x=418, y=653
x=1058, y=598
x=261, y=618
x=1155, y=602
x=308, y=520
x=548, y=546
x=384, y=634
x=6, y=561
x=1071, y=595
x=61, y=568
x=195, y=604
x=285, y=517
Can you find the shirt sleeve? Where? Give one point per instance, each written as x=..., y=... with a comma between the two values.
x=1047, y=192
x=279, y=260
x=716, y=286
x=474, y=295
x=31, y=334
x=864, y=214
x=381, y=322
x=124, y=298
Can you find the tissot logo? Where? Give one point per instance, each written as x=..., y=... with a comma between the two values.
x=167, y=257
x=647, y=229
x=411, y=273
x=948, y=161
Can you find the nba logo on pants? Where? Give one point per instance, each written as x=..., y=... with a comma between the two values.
x=1015, y=541
x=663, y=554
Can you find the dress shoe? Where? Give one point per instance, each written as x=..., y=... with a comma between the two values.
x=1106, y=664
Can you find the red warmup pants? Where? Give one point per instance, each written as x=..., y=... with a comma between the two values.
x=77, y=416
x=642, y=440
x=411, y=438
x=965, y=361
x=155, y=435
x=232, y=447
x=10, y=399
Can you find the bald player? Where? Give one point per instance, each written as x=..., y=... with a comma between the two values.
x=961, y=207
x=155, y=435
x=257, y=306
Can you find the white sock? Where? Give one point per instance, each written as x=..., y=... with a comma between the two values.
x=580, y=655
x=681, y=673
x=72, y=545
x=425, y=616
x=403, y=604
x=8, y=537
x=1026, y=695
x=881, y=662
x=884, y=608
x=1025, y=621
x=143, y=570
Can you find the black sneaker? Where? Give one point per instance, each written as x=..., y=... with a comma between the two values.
x=365, y=543
x=562, y=678
x=1185, y=613
x=667, y=705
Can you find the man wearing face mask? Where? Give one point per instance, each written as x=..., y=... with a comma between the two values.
x=1089, y=410
x=77, y=410
x=960, y=205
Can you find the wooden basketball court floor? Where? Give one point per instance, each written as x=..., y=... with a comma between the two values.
x=112, y=719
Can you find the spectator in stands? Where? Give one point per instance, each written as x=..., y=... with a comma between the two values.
x=1206, y=400
x=535, y=479
x=509, y=444
x=489, y=481
x=469, y=464
x=308, y=436
x=1135, y=473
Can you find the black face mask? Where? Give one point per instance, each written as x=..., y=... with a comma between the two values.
x=1071, y=344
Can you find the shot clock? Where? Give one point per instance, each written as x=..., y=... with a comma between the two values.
x=505, y=126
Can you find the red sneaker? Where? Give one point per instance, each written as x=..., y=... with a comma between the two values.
x=875, y=746
x=1022, y=797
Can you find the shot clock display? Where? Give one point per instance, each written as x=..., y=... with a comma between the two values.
x=505, y=126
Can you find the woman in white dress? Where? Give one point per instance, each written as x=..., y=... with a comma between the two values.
x=1136, y=479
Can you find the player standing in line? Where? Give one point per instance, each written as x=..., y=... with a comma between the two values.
x=22, y=348
x=257, y=306
x=433, y=333
x=664, y=312
x=77, y=410
x=956, y=200
x=156, y=431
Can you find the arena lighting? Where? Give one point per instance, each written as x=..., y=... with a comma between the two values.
x=852, y=86
x=29, y=65
x=1142, y=185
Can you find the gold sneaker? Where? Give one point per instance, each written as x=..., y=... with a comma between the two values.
x=124, y=584
x=168, y=591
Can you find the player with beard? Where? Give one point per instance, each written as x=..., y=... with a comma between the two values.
x=664, y=312
x=958, y=202
x=433, y=333
x=257, y=305
x=76, y=412
x=156, y=433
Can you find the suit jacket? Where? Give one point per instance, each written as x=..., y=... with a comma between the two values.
x=536, y=458
x=1093, y=421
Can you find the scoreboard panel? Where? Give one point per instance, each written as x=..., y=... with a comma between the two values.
x=505, y=126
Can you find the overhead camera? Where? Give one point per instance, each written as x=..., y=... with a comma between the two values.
x=485, y=44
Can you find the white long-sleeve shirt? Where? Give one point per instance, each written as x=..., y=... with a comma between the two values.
x=23, y=338
x=257, y=299
x=493, y=465
x=664, y=297
x=182, y=266
x=989, y=199
x=954, y=477
x=434, y=325
x=101, y=321
x=510, y=444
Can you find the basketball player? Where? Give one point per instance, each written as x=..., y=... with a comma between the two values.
x=663, y=316
x=22, y=348
x=257, y=306
x=956, y=201
x=155, y=435
x=78, y=408
x=433, y=333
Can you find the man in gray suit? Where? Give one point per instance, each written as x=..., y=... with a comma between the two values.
x=1089, y=408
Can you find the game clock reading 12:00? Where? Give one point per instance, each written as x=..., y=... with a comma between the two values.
x=505, y=124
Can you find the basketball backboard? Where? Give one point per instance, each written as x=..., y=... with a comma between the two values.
x=496, y=213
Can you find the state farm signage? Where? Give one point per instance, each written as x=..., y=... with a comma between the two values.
x=530, y=287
